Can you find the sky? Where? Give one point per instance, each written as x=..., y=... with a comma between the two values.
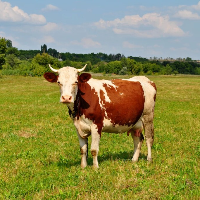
x=135, y=28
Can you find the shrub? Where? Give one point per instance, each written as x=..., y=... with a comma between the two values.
x=95, y=70
x=38, y=70
x=12, y=61
x=123, y=71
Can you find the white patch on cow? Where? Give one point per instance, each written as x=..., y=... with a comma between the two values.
x=97, y=85
x=149, y=92
x=83, y=126
x=67, y=80
x=110, y=128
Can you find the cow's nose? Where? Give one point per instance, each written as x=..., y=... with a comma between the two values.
x=66, y=99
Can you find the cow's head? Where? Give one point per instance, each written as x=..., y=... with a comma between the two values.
x=67, y=78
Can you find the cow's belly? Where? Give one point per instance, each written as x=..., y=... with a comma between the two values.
x=83, y=126
x=116, y=128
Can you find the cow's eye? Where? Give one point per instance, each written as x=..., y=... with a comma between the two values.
x=59, y=83
x=75, y=83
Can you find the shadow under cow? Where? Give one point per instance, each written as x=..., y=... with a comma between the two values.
x=123, y=156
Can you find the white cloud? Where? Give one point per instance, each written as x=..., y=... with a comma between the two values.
x=15, y=14
x=186, y=14
x=196, y=7
x=48, y=39
x=50, y=27
x=129, y=45
x=50, y=8
x=145, y=26
x=179, y=49
x=87, y=43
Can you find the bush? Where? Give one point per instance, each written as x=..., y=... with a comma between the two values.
x=123, y=71
x=26, y=69
x=11, y=72
x=95, y=70
x=12, y=61
x=197, y=71
x=38, y=70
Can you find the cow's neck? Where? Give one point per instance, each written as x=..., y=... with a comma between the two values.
x=74, y=108
x=71, y=110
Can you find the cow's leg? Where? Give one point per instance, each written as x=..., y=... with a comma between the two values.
x=137, y=139
x=149, y=133
x=95, y=145
x=84, y=150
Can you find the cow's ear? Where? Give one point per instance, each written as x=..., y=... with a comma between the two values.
x=51, y=77
x=84, y=77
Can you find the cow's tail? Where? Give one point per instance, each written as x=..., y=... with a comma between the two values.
x=142, y=137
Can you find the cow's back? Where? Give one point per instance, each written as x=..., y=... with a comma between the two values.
x=149, y=89
x=126, y=102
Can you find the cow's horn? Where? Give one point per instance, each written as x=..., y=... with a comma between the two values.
x=80, y=70
x=52, y=69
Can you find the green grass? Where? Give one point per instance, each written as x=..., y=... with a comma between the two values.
x=39, y=148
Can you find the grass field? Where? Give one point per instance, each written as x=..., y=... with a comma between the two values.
x=39, y=148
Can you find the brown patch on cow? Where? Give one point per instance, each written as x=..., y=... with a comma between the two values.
x=82, y=152
x=125, y=107
x=127, y=102
x=51, y=77
x=94, y=152
x=87, y=103
x=153, y=84
x=154, y=97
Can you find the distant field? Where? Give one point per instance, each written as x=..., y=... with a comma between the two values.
x=39, y=148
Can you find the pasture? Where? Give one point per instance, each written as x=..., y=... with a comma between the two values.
x=40, y=157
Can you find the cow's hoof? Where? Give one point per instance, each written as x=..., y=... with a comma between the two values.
x=150, y=160
x=95, y=166
x=83, y=166
x=134, y=160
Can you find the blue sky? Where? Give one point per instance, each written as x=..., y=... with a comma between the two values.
x=134, y=28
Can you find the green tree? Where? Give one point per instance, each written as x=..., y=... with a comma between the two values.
x=53, y=52
x=123, y=71
x=168, y=70
x=146, y=67
x=12, y=50
x=131, y=65
x=42, y=59
x=113, y=67
x=3, y=48
x=101, y=66
x=155, y=67
x=44, y=48
x=137, y=68
x=188, y=59
x=12, y=61
x=8, y=43
x=40, y=64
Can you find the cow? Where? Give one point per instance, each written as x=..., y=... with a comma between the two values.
x=112, y=106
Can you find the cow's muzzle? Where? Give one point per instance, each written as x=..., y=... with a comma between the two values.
x=66, y=99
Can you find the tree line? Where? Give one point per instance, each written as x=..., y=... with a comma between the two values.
x=35, y=62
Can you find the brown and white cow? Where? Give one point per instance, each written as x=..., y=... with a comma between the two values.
x=113, y=106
